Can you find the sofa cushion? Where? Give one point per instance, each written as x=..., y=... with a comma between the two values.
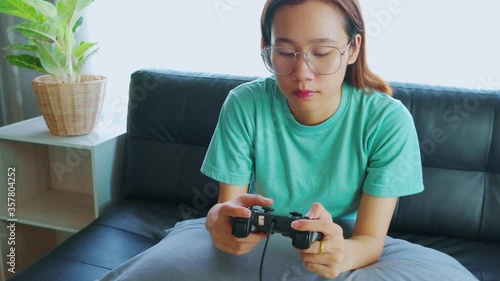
x=129, y=228
x=146, y=218
x=89, y=245
x=480, y=258
x=178, y=180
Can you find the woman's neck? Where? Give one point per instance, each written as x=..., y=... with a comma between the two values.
x=320, y=115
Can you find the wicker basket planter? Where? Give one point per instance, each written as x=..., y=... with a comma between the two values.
x=70, y=109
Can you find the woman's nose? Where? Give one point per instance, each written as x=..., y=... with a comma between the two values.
x=302, y=71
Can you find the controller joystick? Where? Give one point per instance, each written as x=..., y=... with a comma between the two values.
x=261, y=221
x=296, y=215
x=268, y=210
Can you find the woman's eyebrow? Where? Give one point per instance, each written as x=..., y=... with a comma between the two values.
x=283, y=40
x=317, y=40
x=324, y=40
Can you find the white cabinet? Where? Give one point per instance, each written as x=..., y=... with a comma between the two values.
x=57, y=185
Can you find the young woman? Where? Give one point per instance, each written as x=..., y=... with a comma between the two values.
x=323, y=129
x=323, y=137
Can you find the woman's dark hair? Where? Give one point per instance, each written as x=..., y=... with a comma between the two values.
x=358, y=74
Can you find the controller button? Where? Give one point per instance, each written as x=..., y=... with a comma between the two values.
x=296, y=214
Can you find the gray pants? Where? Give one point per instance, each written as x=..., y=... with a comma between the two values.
x=187, y=253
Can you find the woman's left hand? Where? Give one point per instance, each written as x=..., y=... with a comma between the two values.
x=326, y=258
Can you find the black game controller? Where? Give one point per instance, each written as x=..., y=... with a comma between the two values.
x=260, y=220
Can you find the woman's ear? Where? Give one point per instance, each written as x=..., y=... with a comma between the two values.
x=355, y=48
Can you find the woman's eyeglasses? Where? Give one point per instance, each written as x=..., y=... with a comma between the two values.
x=323, y=60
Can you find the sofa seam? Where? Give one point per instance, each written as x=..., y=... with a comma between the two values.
x=124, y=230
x=80, y=262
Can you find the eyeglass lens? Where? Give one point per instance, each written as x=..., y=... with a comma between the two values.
x=321, y=59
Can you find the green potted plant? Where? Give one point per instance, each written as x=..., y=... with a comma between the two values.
x=69, y=101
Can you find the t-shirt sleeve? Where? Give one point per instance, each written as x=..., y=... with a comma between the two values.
x=394, y=167
x=229, y=158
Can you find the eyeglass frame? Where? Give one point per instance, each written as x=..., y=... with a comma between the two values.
x=306, y=57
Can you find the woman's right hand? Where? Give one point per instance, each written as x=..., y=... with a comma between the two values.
x=219, y=226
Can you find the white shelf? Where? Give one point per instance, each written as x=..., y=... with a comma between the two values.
x=62, y=183
x=35, y=131
x=56, y=209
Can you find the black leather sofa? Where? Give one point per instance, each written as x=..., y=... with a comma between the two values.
x=172, y=116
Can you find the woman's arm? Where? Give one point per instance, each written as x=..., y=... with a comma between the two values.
x=370, y=231
x=228, y=192
x=362, y=249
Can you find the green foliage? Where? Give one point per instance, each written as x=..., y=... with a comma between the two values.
x=50, y=30
x=26, y=61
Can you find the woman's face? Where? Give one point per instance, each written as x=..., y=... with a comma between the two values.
x=312, y=97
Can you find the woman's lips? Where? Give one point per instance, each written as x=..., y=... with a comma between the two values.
x=303, y=93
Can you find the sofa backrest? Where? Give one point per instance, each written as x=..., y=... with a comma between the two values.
x=459, y=136
x=172, y=116
x=171, y=119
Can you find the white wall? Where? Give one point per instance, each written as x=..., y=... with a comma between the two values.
x=445, y=42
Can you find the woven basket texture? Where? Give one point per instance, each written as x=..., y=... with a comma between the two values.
x=70, y=109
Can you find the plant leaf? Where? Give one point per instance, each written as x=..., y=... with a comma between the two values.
x=52, y=58
x=80, y=50
x=20, y=8
x=78, y=67
x=26, y=61
x=46, y=8
x=43, y=31
x=65, y=38
x=23, y=47
x=78, y=23
x=70, y=11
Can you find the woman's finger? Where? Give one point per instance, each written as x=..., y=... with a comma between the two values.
x=317, y=211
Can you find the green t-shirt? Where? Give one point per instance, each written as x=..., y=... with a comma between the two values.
x=369, y=145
